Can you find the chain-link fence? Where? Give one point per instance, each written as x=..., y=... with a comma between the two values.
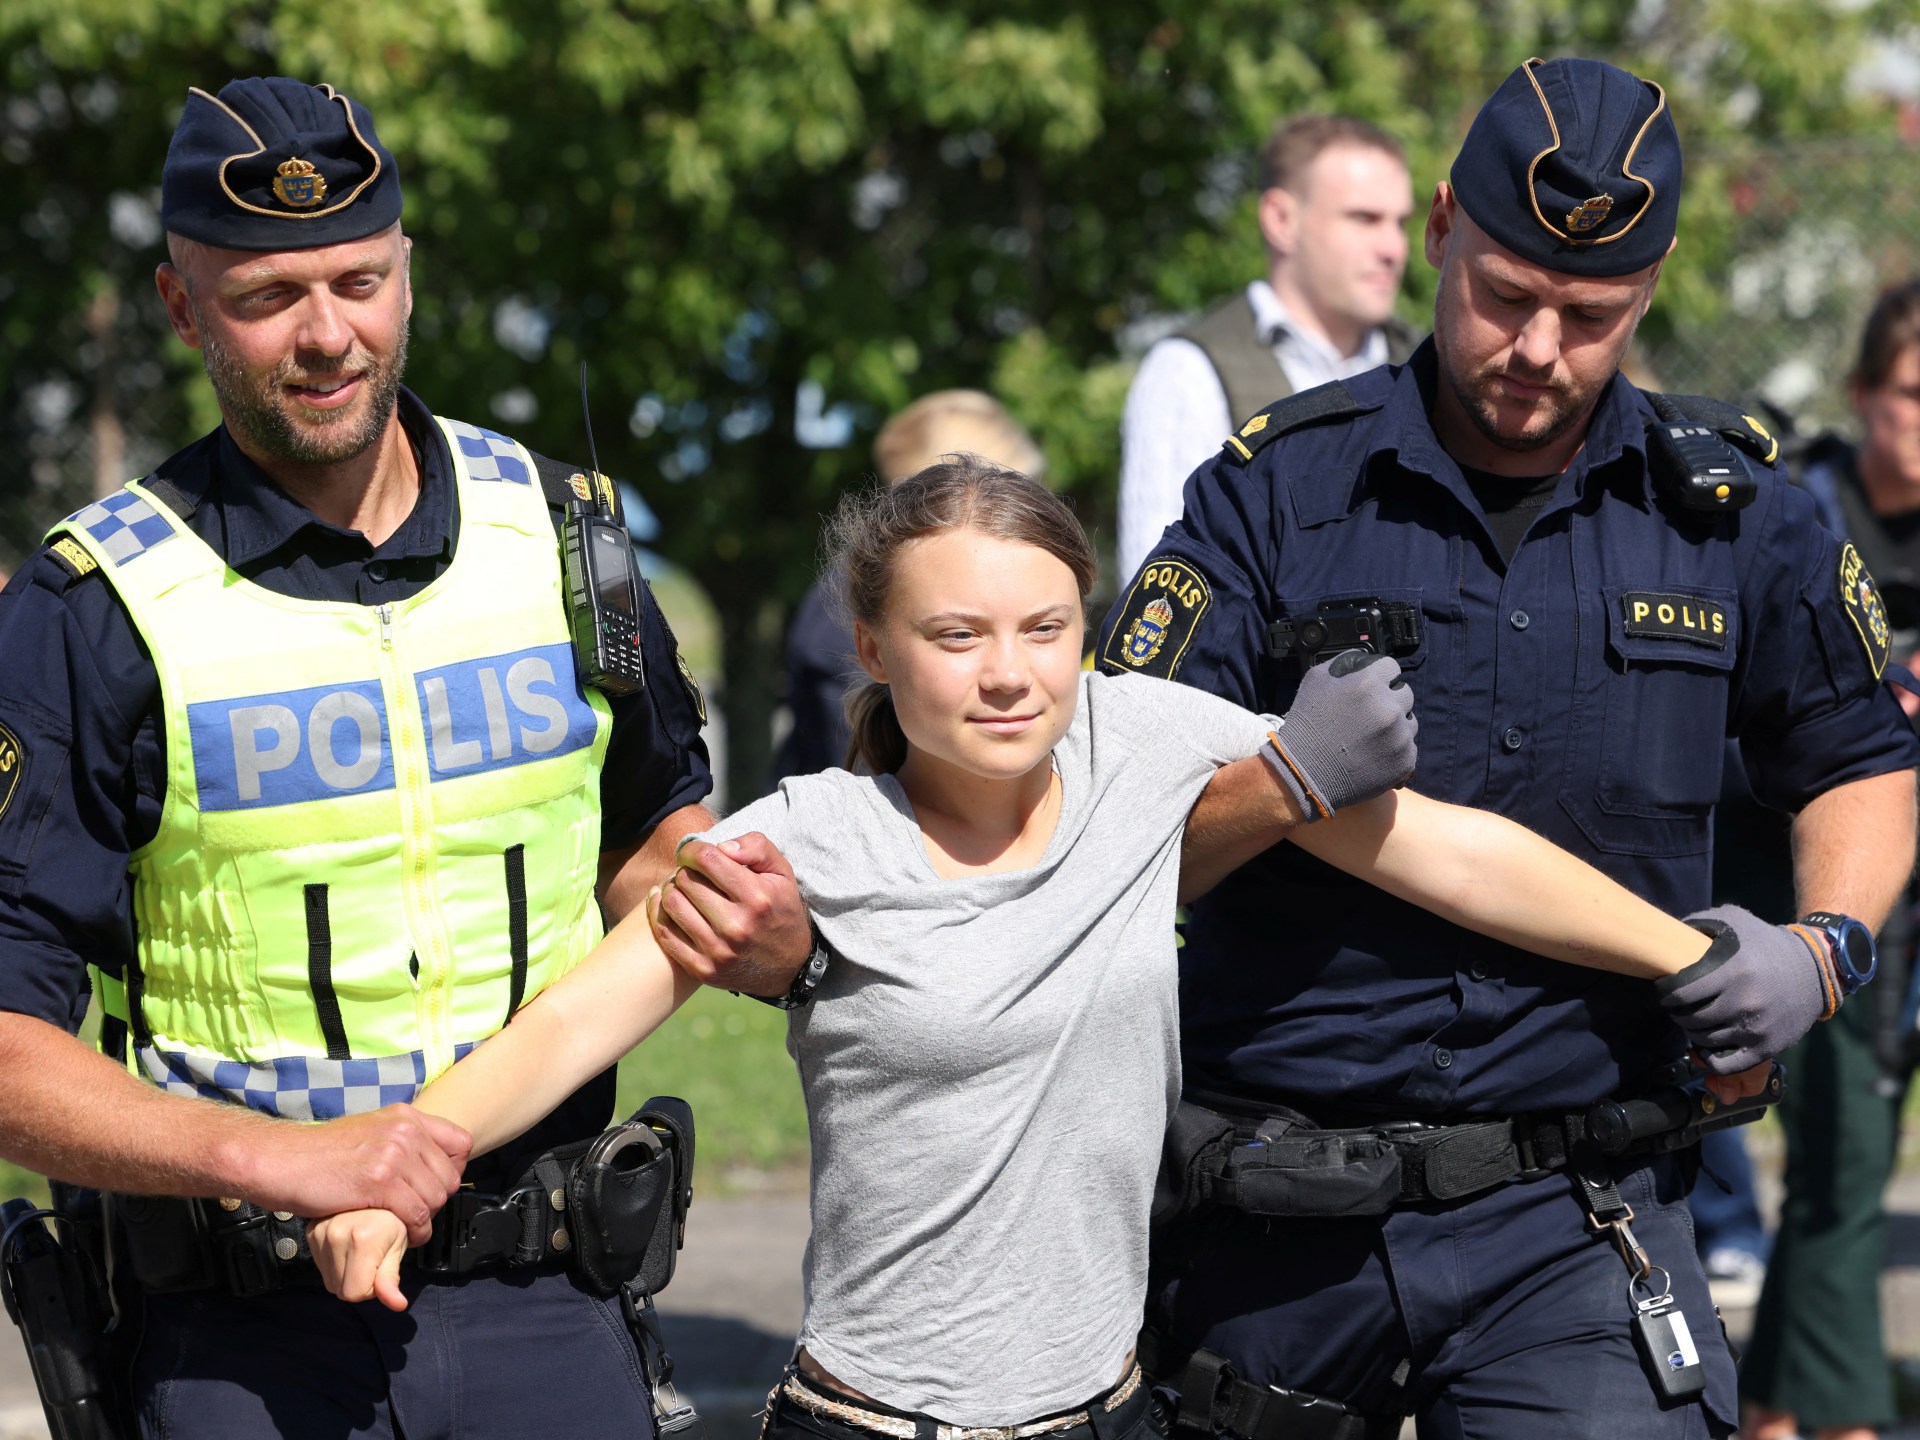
x=1797, y=243
x=1782, y=252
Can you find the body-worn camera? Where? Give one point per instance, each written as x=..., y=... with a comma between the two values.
x=1698, y=468
x=1382, y=628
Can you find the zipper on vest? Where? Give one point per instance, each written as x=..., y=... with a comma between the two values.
x=425, y=921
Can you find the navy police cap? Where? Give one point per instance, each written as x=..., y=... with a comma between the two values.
x=277, y=164
x=1574, y=165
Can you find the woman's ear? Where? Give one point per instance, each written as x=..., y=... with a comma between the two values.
x=867, y=648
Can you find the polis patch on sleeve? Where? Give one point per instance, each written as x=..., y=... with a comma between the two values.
x=13, y=760
x=1654, y=616
x=1159, y=619
x=1860, y=598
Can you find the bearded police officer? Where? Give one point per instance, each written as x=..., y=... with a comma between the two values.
x=304, y=773
x=1589, y=588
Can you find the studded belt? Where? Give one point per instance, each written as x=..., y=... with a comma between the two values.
x=901, y=1427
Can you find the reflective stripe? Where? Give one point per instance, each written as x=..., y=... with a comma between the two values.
x=297, y=1087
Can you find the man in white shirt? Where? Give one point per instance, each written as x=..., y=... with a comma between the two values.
x=1333, y=212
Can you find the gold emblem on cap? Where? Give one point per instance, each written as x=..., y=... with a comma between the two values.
x=298, y=184
x=1589, y=214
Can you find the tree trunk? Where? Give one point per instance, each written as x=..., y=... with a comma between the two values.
x=751, y=629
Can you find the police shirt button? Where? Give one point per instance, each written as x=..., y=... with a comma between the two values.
x=1442, y=1059
x=1514, y=738
x=1519, y=619
x=377, y=572
x=1477, y=972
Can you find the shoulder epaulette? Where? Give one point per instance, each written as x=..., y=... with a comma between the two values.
x=1729, y=419
x=72, y=559
x=564, y=484
x=1323, y=402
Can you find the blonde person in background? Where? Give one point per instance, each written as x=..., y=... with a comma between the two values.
x=820, y=659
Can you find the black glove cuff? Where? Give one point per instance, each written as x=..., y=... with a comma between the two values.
x=1725, y=944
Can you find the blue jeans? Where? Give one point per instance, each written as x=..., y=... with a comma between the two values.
x=1514, y=1315
x=512, y=1355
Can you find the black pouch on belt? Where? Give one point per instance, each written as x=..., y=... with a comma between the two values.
x=629, y=1196
x=1312, y=1172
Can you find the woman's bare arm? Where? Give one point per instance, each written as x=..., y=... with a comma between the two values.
x=1491, y=875
x=585, y=1021
x=1475, y=868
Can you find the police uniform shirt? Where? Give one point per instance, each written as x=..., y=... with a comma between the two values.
x=80, y=712
x=1583, y=689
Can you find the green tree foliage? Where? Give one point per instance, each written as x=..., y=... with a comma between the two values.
x=742, y=211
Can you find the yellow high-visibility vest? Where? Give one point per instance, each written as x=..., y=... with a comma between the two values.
x=382, y=823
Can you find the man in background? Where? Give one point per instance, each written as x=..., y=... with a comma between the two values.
x=819, y=643
x=1817, y=1363
x=1334, y=205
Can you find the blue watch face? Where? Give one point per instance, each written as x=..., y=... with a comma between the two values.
x=1855, y=956
x=1854, y=948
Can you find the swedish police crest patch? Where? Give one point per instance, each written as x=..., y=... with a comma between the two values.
x=13, y=759
x=1860, y=598
x=1158, y=620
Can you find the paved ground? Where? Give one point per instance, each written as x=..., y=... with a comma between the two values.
x=735, y=1305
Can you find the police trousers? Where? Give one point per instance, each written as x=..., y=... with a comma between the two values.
x=514, y=1354
x=1514, y=1315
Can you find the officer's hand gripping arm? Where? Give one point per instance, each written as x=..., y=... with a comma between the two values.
x=76, y=1115
x=1350, y=735
x=1757, y=990
x=733, y=917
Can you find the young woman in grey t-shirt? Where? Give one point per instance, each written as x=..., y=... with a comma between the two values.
x=992, y=1057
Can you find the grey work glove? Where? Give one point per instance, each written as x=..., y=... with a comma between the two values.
x=1758, y=989
x=1349, y=735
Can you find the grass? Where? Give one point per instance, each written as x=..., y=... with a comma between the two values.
x=727, y=1057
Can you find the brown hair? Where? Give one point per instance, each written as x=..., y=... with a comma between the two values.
x=1295, y=144
x=864, y=539
x=954, y=422
x=1892, y=327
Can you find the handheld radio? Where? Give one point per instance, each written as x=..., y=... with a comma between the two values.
x=603, y=580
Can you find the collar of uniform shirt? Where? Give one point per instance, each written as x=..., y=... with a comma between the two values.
x=1405, y=430
x=260, y=517
x=1275, y=326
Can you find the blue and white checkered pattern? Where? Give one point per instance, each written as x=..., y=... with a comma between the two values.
x=125, y=525
x=489, y=456
x=296, y=1087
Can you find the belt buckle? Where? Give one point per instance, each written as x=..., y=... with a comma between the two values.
x=1530, y=1167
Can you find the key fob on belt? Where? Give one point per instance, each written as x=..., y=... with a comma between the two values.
x=1666, y=1349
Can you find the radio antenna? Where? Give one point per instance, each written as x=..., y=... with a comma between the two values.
x=586, y=418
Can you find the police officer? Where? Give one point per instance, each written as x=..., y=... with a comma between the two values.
x=1582, y=621
x=300, y=770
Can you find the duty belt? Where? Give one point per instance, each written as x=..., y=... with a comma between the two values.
x=1276, y=1161
x=818, y=1403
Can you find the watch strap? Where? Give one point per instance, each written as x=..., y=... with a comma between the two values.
x=800, y=992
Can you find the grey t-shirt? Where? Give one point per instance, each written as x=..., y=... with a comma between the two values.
x=990, y=1063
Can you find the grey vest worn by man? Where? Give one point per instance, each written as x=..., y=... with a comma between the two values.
x=1248, y=371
